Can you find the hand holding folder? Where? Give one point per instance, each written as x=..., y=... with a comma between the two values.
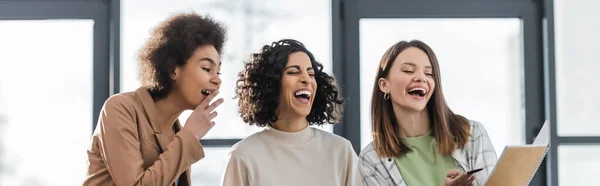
x=518, y=163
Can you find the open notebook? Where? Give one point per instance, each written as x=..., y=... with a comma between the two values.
x=518, y=163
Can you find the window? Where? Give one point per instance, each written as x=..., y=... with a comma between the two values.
x=578, y=165
x=45, y=101
x=576, y=52
x=208, y=171
x=481, y=68
x=577, y=89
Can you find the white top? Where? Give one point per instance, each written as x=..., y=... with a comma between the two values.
x=310, y=157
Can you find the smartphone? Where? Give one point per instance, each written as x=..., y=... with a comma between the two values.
x=474, y=171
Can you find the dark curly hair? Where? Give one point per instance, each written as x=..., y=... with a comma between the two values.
x=171, y=44
x=259, y=85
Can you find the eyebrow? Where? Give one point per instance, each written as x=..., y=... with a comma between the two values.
x=210, y=61
x=293, y=66
x=298, y=67
x=414, y=65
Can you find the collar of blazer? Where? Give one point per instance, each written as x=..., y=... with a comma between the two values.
x=156, y=120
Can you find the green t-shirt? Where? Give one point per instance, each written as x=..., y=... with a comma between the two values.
x=424, y=165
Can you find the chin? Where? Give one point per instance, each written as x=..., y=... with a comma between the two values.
x=301, y=109
x=192, y=104
x=302, y=112
x=416, y=108
x=420, y=106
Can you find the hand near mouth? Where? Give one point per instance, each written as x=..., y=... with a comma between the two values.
x=200, y=121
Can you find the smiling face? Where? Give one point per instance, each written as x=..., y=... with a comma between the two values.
x=410, y=82
x=195, y=80
x=298, y=86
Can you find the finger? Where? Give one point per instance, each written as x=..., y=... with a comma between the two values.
x=208, y=98
x=212, y=124
x=471, y=179
x=212, y=115
x=452, y=173
x=460, y=178
x=214, y=105
x=466, y=179
x=448, y=181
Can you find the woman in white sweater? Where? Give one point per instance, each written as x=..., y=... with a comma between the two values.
x=284, y=90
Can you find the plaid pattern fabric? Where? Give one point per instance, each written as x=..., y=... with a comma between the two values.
x=478, y=153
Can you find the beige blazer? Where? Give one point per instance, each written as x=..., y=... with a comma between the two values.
x=133, y=144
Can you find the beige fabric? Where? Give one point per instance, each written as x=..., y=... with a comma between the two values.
x=134, y=145
x=309, y=157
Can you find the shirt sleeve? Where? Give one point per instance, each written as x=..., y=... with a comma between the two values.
x=483, y=153
x=353, y=176
x=368, y=170
x=236, y=172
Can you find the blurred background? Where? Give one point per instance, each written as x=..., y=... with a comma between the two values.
x=509, y=64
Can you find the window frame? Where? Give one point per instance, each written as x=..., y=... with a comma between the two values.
x=104, y=13
x=550, y=99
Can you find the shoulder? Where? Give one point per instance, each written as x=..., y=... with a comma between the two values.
x=477, y=129
x=248, y=145
x=119, y=111
x=122, y=101
x=331, y=138
x=479, y=139
x=335, y=143
x=368, y=154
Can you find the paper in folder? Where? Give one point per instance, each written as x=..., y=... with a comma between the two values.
x=518, y=163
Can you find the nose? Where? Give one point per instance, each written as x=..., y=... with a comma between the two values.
x=304, y=78
x=216, y=80
x=420, y=78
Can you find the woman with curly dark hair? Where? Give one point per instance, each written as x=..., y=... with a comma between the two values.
x=284, y=89
x=138, y=139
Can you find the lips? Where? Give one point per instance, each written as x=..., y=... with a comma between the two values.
x=206, y=92
x=303, y=95
x=417, y=91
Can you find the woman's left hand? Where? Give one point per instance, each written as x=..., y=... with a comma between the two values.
x=457, y=178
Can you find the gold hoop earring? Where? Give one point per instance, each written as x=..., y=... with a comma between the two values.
x=386, y=96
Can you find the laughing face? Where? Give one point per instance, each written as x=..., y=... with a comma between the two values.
x=298, y=86
x=198, y=77
x=410, y=82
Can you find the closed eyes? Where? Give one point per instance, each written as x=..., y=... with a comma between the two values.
x=208, y=70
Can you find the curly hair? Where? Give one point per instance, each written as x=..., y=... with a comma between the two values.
x=171, y=44
x=259, y=85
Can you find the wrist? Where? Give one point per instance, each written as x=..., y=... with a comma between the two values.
x=192, y=133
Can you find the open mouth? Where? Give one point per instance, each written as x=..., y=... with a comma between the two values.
x=303, y=96
x=421, y=92
x=206, y=92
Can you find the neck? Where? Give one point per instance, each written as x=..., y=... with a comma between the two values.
x=288, y=123
x=169, y=108
x=412, y=123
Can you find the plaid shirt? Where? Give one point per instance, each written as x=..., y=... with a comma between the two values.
x=478, y=153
